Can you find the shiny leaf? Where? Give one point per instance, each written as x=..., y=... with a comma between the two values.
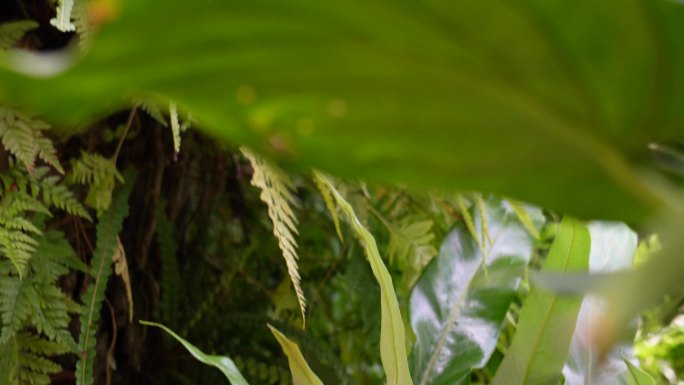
x=458, y=306
x=547, y=321
x=637, y=376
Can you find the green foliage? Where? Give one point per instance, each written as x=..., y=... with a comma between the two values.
x=458, y=306
x=35, y=313
x=613, y=247
x=392, y=334
x=301, y=372
x=23, y=194
x=107, y=231
x=224, y=364
x=23, y=137
x=276, y=191
x=12, y=32
x=547, y=321
x=100, y=175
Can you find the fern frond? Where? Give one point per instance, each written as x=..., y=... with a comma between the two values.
x=16, y=240
x=276, y=192
x=170, y=277
x=58, y=195
x=13, y=31
x=23, y=138
x=175, y=128
x=100, y=174
x=151, y=108
x=80, y=17
x=26, y=359
x=330, y=204
x=107, y=232
x=411, y=244
x=62, y=21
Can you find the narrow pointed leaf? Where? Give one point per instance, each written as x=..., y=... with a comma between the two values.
x=457, y=309
x=636, y=376
x=222, y=363
x=392, y=333
x=301, y=372
x=613, y=246
x=547, y=321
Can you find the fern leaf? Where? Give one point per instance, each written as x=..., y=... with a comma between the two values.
x=12, y=32
x=276, y=192
x=107, y=232
x=62, y=21
x=24, y=360
x=152, y=109
x=524, y=217
x=175, y=128
x=100, y=174
x=23, y=138
x=410, y=245
x=329, y=203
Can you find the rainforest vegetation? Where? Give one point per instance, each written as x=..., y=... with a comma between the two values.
x=356, y=192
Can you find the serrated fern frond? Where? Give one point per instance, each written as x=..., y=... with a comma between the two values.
x=107, y=232
x=23, y=137
x=276, y=192
x=35, y=313
x=13, y=31
x=100, y=175
x=151, y=108
x=175, y=128
x=62, y=20
x=25, y=360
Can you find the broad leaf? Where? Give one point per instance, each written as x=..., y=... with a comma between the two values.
x=541, y=100
x=392, y=333
x=547, y=321
x=613, y=246
x=222, y=363
x=459, y=304
x=301, y=372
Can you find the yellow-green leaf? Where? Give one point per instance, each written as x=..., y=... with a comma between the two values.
x=301, y=372
x=392, y=335
x=222, y=363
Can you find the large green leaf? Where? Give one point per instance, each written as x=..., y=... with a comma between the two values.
x=459, y=304
x=547, y=321
x=222, y=363
x=392, y=333
x=613, y=245
x=548, y=101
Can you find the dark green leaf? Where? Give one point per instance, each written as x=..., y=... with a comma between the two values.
x=458, y=305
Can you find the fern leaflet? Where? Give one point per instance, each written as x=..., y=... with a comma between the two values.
x=62, y=21
x=100, y=174
x=276, y=192
x=23, y=137
x=107, y=232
